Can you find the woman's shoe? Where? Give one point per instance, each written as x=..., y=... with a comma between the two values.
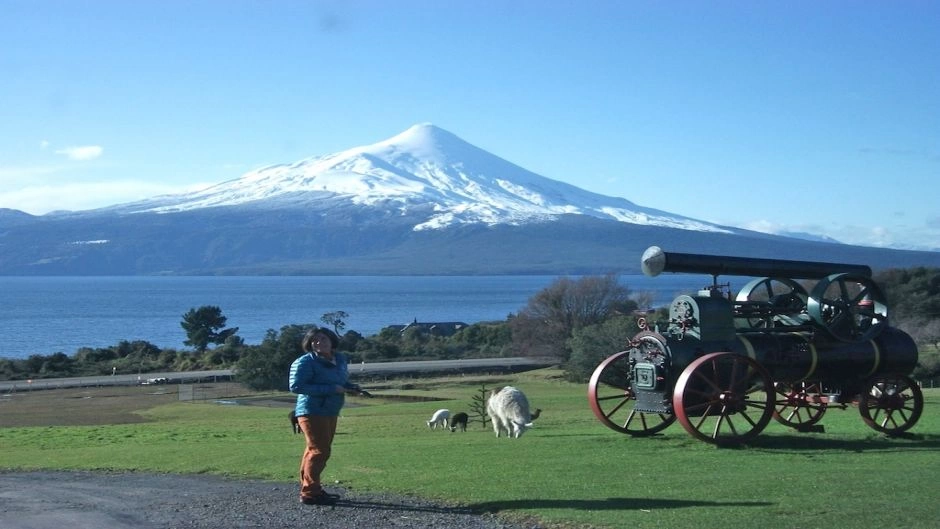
x=324, y=498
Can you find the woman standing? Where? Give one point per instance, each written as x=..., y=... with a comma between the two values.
x=320, y=378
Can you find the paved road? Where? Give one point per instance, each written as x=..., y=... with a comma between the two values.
x=376, y=368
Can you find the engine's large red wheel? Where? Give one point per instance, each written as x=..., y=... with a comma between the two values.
x=891, y=404
x=724, y=398
x=610, y=393
x=798, y=405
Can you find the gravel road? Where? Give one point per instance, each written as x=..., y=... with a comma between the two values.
x=121, y=500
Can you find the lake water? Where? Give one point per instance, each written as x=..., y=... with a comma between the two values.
x=45, y=315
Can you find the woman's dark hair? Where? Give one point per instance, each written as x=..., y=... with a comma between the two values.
x=307, y=343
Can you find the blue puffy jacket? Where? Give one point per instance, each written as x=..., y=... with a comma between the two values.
x=314, y=380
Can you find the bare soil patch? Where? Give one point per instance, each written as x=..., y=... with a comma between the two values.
x=99, y=405
x=92, y=406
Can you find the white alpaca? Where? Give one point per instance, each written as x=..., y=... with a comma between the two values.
x=508, y=408
x=439, y=419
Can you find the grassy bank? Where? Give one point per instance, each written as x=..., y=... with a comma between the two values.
x=569, y=470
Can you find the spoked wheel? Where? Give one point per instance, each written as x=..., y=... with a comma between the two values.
x=782, y=296
x=724, y=398
x=794, y=405
x=891, y=404
x=610, y=393
x=851, y=307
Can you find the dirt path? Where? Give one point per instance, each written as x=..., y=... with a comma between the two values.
x=94, y=500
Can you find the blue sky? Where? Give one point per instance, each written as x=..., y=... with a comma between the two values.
x=810, y=116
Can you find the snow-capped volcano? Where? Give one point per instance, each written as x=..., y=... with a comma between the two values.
x=425, y=172
x=423, y=202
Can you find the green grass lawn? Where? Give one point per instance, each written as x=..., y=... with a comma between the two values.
x=568, y=471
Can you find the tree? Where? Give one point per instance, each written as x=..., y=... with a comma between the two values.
x=478, y=404
x=924, y=331
x=267, y=366
x=551, y=316
x=912, y=293
x=349, y=343
x=56, y=364
x=226, y=354
x=335, y=319
x=8, y=369
x=592, y=344
x=485, y=339
x=202, y=327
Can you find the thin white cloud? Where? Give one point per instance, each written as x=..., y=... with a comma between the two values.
x=41, y=199
x=12, y=174
x=763, y=226
x=926, y=237
x=44, y=144
x=87, y=152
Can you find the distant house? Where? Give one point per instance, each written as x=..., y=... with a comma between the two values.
x=434, y=328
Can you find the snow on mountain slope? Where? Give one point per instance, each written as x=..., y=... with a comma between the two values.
x=424, y=168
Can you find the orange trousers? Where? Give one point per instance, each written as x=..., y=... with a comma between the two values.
x=319, y=432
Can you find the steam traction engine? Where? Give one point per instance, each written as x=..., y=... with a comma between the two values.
x=725, y=367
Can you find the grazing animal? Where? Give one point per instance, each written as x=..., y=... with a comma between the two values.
x=509, y=410
x=293, y=421
x=439, y=419
x=459, y=420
